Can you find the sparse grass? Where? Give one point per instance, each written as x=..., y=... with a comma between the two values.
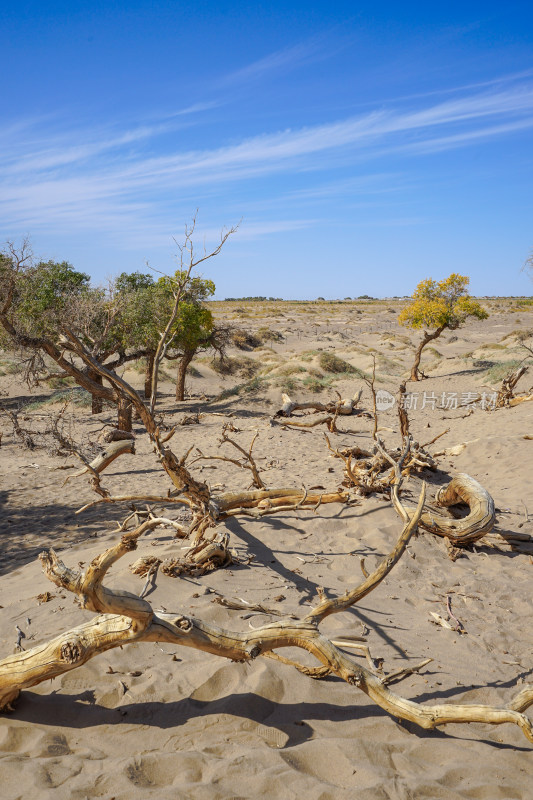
x=193, y=372
x=388, y=365
x=316, y=385
x=77, y=396
x=498, y=371
x=330, y=362
x=250, y=387
x=60, y=383
x=139, y=365
x=246, y=367
x=287, y=384
x=10, y=368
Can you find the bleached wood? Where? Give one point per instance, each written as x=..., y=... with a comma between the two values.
x=124, y=618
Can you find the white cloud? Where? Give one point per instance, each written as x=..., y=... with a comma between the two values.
x=101, y=179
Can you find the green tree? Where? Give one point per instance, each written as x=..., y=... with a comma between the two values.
x=193, y=328
x=44, y=304
x=144, y=310
x=442, y=305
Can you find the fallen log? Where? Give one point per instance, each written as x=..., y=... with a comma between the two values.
x=343, y=406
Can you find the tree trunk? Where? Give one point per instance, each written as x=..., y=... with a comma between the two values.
x=124, y=415
x=150, y=358
x=97, y=404
x=428, y=337
x=183, y=363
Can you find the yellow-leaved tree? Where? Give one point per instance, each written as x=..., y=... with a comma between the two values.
x=441, y=305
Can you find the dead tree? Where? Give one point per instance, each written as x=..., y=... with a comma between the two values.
x=124, y=618
x=506, y=397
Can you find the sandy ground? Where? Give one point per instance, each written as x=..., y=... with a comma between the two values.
x=171, y=723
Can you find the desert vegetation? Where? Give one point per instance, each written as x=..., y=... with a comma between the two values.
x=361, y=360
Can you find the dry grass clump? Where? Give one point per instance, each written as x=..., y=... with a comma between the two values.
x=248, y=340
x=246, y=367
x=250, y=387
x=244, y=340
x=269, y=335
x=520, y=334
x=498, y=371
x=330, y=362
x=77, y=396
x=290, y=369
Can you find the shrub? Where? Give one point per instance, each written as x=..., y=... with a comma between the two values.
x=246, y=367
x=245, y=340
x=329, y=362
x=269, y=335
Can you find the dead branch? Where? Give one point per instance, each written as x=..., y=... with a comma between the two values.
x=23, y=434
x=506, y=396
x=343, y=406
x=371, y=472
x=124, y=618
x=480, y=520
x=328, y=421
x=248, y=463
x=104, y=459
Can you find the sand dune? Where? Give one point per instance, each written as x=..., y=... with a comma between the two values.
x=160, y=721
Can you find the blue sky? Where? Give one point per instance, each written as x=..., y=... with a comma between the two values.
x=364, y=146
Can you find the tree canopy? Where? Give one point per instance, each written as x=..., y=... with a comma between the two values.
x=443, y=303
x=440, y=305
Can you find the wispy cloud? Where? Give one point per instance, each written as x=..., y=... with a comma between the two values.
x=102, y=179
x=277, y=62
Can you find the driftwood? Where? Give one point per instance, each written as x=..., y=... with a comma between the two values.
x=462, y=489
x=114, y=435
x=124, y=618
x=506, y=397
x=342, y=406
x=369, y=472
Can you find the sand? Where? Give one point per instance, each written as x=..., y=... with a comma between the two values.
x=160, y=721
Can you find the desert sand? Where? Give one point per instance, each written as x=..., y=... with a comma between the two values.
x=161, y=721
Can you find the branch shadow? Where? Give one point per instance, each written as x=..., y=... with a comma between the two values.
x=81, y=711
x=27, y=530
x=307, y=588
